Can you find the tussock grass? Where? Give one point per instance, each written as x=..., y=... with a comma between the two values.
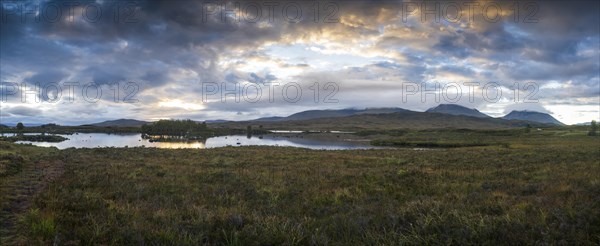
x=544, y=189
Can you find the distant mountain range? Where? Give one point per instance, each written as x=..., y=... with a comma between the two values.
x=438, y=116
x=14, y=124
x=533, y=117
x=400, y=120
x=448, y=109
x=330, y=113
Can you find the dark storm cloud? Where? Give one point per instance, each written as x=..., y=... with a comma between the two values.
x=170, y=31
x=495, y=37
x=106, y=75
x=451, y=45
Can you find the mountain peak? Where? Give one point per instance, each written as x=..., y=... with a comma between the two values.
x=455, y=109
x=534, y=116
x=121, y=123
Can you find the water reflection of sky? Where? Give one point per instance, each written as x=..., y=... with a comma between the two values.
x=94, y=140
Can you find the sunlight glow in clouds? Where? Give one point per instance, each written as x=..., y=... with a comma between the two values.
x=370, y=51
x=179, y=104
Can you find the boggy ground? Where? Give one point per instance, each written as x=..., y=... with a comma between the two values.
x=532, y=188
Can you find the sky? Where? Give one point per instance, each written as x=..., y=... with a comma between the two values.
x=77, y=62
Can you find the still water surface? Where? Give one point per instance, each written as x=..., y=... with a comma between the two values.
x=94, y=140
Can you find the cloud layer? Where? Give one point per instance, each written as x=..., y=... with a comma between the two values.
x=370, y=50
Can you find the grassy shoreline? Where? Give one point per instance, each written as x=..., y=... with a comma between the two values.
x=540, y=189
x=34, y=138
